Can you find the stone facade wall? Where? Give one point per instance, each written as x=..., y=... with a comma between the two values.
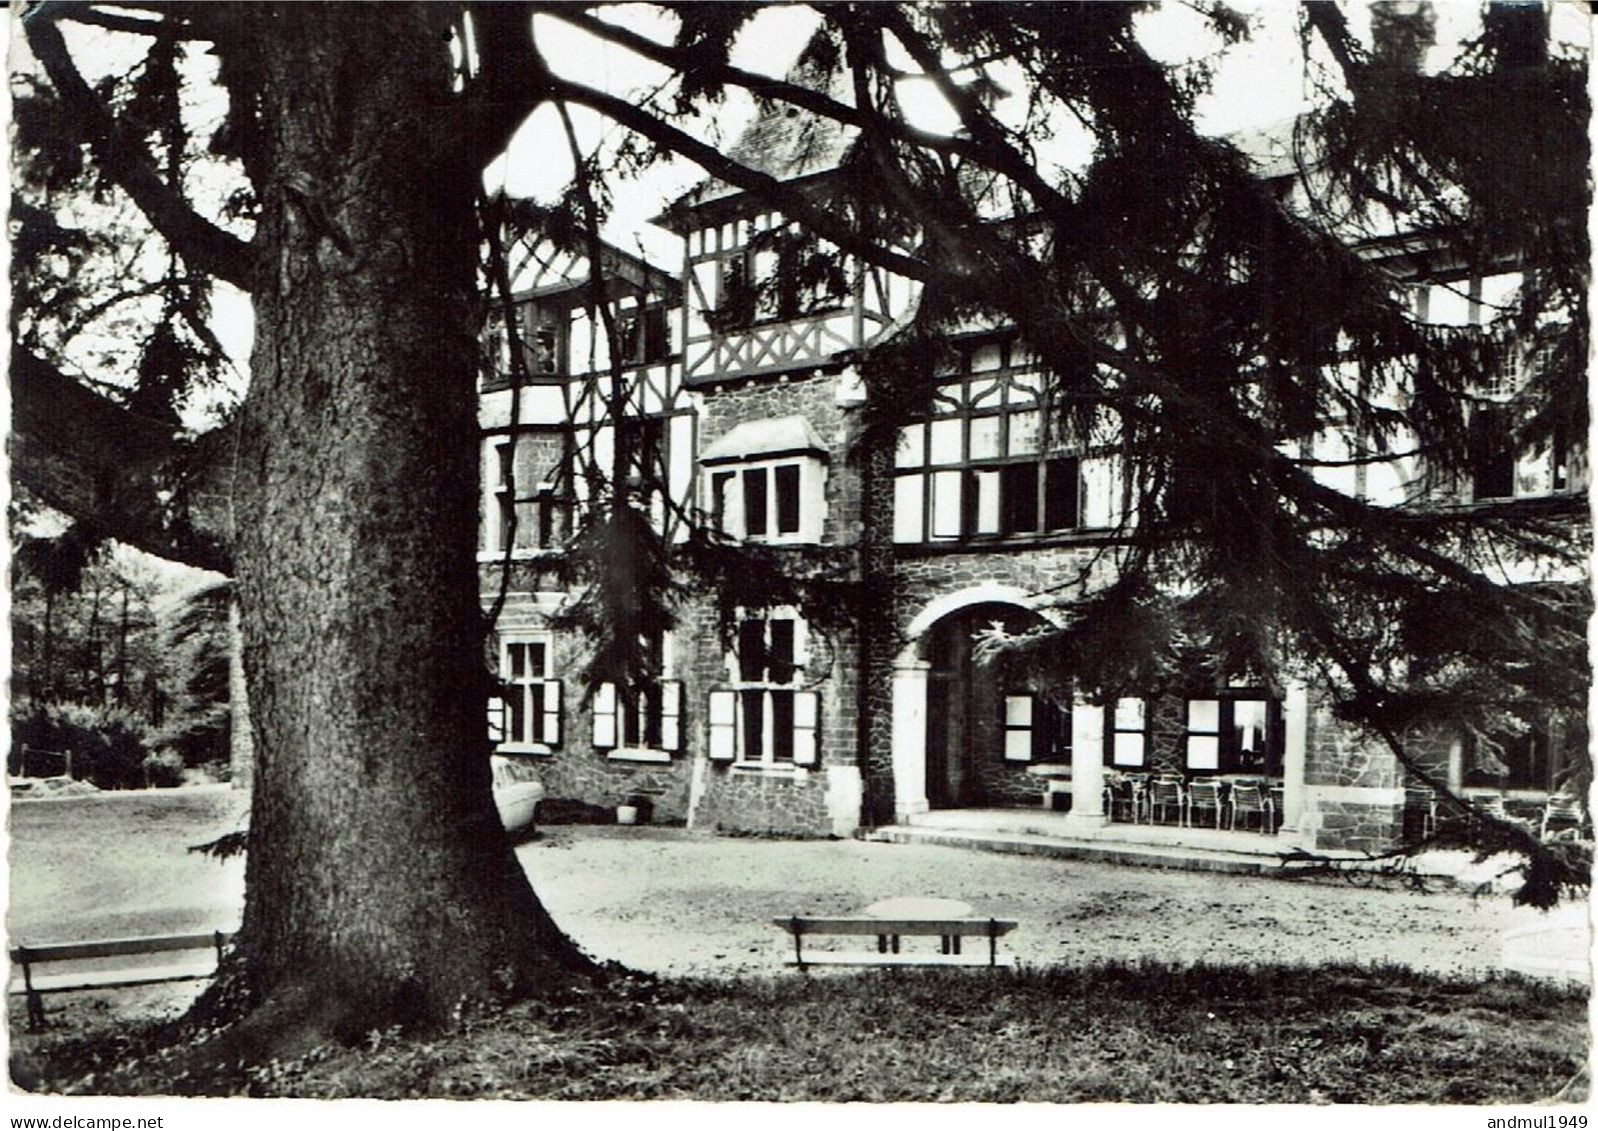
x=1358, y=827
x=788, y=804
x=1338, y=754
x=575, y=770
x=812, y=395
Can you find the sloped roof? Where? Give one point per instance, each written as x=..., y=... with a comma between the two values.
x=783, y=141
x=767, y=436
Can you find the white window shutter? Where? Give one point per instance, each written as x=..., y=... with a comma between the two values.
x=806, y=717
x=552, y=690
x=801, y=642
x=605, y=716
x=496, y=719
x=723, y=715
x=671, y=714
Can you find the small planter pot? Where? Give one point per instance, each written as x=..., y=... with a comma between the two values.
x=626, y=814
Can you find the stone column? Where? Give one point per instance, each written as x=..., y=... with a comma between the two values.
x=1295, y=720
x=1087, y=768
x=910, y=737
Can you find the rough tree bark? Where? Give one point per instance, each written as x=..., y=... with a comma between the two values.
x=379, y=886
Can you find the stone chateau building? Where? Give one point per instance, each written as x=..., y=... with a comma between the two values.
x=748, y=405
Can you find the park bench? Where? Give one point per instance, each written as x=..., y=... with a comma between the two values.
x=35, y=984
x=889, y=931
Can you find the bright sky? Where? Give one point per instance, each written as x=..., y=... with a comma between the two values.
x=1257, y=82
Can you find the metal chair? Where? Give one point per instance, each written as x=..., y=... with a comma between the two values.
x=1492, y=804
x=1123, y=797
x=1249, y=797
x=1166, y=791
x=1204, y=793
x=1562, y=809
x=1420, y=803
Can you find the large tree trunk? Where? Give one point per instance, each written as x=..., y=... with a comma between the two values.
x=380, y=886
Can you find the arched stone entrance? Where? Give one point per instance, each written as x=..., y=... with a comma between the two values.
x=960, y=738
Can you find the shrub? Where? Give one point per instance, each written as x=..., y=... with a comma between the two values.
x=108, y=746
x=164, y=769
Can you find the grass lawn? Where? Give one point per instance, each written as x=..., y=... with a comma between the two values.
x=1138, y=984
x=1144, y=1033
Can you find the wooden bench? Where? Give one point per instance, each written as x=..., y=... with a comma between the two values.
x=888, y=933
x=34, y=984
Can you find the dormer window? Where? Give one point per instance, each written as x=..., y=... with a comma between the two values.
x=766, y=481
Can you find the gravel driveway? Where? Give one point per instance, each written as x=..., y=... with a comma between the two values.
x=671, y=901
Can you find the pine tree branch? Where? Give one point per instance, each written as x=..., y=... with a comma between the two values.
x=115, y=471
x=511, y=81
x=202, y=244
x=682, y=60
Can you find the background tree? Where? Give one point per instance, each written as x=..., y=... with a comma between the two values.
x=1181, y=306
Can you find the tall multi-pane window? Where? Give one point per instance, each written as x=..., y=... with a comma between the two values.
x=989, y=463
x=646, y=716
x=526, y=715
x=767, y=716
x=524, y=505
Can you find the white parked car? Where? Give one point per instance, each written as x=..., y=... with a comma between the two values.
x=516, y=796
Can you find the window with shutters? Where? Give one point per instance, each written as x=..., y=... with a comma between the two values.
x=767, y=717
x=525, y=717
x=642, y=723
x=1036, y=729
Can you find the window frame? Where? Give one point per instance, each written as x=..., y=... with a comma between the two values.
x=646, y=725
x=1228, y=752
x=1115, y=727
x=727, y=498
x=768, y=695
x=990, y=503
x=548, y=723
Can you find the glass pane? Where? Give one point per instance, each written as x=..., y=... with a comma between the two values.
x=1129, y=714
x=985, y=485
x=780, y=666
x=946, y=441
x=788, y=499
x=782, y=726
x=518, y=660
x=1249, y=725
x=1204, y=715
x=753, y=704
x=1060, y=494
x=535, y=711
x=1025, y=432
x=1203, y=752
x=912, y=441
x=1128, y=749
x=984, y=437
x=1018, y=745
x=946, y=504
x=752, y=650
x=755, y=502
x=907, y=491
x=516, y=717
x=1020, y=498
x=1018, y=710
x=538, y=661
